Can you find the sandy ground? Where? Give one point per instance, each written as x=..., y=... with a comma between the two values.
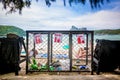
x=58, y=76
x=68, y=76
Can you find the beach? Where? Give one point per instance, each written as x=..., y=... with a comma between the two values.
x=58, y=75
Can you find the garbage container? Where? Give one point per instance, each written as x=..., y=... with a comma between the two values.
x=9, y=55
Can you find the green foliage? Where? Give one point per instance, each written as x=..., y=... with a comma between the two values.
x=4, y=30
x=107, y=31
x=15, y=5
x=18, y=5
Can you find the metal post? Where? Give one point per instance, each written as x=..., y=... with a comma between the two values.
x=27, y=51
x=86, y=48
x=92, y=44
x=48, y=52
x=34, y=48
x=70, y=50
x=51, y=48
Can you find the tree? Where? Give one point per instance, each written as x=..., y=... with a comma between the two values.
x=18, y=5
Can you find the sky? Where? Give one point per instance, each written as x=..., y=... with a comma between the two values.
x=58, y=17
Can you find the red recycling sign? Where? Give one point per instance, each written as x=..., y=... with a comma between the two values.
x=80, y=38
x=38, y=38
x=58, y=37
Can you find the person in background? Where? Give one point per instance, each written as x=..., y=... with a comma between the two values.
x=33, y=53
x=81, y=53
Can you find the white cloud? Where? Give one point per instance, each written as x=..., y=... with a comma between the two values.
x=57, y=17
x=99, y=20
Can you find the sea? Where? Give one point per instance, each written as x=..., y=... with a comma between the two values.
x=107, y=37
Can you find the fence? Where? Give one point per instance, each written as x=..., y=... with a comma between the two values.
x=53, y=51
